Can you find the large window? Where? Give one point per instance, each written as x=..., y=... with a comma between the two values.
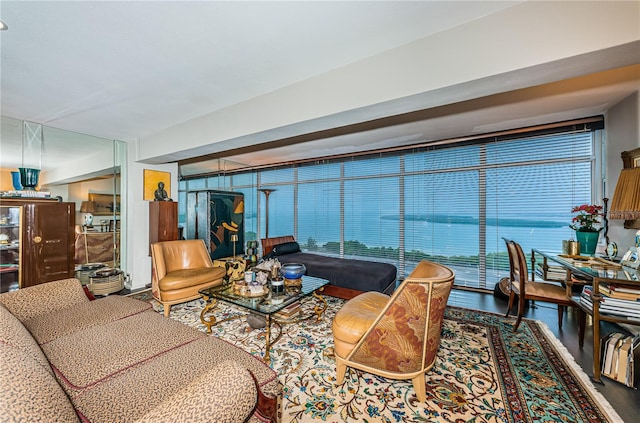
x=452, y=205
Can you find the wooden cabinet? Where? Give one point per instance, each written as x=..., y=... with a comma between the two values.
x=40, y=239
x=163, y=221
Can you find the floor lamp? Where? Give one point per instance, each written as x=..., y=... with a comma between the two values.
x=267, y=192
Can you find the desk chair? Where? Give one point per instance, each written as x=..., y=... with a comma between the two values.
x=525, y=289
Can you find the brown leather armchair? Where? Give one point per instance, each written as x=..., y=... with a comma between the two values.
x=395, y=337
x=180, y=269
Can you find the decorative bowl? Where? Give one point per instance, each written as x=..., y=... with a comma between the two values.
x=293, y=270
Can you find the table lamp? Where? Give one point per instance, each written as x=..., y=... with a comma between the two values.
x=88, y=207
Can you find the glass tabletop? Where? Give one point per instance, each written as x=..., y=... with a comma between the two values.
x=269, y=303
x=594, y=267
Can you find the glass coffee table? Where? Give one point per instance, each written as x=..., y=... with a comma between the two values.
x=266, y=305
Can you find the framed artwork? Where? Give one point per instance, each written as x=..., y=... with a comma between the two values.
x=104, y=205
x=152, y=180
x=631, y=258
x=217, y=217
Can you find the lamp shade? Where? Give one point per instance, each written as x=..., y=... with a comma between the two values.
x=87, y=207
x=626, y=198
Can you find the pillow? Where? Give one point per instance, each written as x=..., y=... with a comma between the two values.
x=286, y=248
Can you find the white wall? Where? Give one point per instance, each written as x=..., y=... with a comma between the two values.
x=622, y=126
x=521, y=46
x=136, y=221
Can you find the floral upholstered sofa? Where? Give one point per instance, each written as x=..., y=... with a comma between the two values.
x=66, y=358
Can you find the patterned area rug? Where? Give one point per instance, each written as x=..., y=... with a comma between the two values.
x=484, y=372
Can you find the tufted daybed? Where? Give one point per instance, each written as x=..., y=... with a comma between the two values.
x=347, y=277
x=66, y=358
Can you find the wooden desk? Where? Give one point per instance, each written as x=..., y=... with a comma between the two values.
x=598, y=274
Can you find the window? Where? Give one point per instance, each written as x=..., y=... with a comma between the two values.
x=452, y=205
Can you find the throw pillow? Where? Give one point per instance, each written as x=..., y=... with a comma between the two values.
x=286, y=248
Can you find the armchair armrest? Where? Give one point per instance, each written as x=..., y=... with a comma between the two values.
x=226, y=393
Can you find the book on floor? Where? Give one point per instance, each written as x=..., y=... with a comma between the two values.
x=611, y=346
x=624, y=359
x=620, y=358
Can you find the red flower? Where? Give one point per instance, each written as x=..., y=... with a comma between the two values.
x=588, y=216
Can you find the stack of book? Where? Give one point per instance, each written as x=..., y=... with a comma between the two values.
x=289, y=312
x=551, y=273
x=26, y=193
x=620, y=355
x=618, y=301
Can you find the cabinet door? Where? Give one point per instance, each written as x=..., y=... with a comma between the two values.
x=163, y=221
x=48, y=247
x=9, y=247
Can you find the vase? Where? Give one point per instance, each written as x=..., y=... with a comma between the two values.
x=588, y=242
x=29, y=178
x=15, y=179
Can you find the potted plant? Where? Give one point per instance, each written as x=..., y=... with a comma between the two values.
x=584, y=223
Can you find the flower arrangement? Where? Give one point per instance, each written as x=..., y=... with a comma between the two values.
x=588, y=216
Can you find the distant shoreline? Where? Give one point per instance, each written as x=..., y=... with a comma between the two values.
x=468, y=220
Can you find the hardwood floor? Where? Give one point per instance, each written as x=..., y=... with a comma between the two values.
x=625, y=401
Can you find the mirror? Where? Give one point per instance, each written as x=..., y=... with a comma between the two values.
x=79, y=168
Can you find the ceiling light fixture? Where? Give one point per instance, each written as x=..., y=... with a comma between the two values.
x=3, y=26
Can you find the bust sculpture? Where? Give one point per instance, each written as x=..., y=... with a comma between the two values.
x=160, y=194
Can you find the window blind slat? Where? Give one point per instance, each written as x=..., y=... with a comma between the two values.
x=452, y=205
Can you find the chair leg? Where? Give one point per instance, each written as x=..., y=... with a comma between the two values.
x=341, y=369
x=582, y=324
x=560, y=313
x=518, y=320
x=512, y=296
x=419, y=387
x=521, y=302
x=167, y=310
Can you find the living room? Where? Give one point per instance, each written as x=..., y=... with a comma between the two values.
x=193, y=103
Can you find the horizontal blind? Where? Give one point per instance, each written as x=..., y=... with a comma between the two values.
x=452, y=205
x=318, y=208
x=372, y=229
x=532, y=185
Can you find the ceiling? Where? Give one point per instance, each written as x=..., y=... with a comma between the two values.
x=127, y=70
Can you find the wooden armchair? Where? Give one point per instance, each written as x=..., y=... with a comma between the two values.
x=180, y=269
x=546, y=291
x=395, y=337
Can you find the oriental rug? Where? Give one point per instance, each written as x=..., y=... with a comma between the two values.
x=484, y=372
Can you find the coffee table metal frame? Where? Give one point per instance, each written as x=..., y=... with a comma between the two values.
x=266, y=305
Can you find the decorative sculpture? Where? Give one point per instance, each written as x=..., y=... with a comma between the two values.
x=161, y=194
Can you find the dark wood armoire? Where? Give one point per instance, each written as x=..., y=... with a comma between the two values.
x=41, y=239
